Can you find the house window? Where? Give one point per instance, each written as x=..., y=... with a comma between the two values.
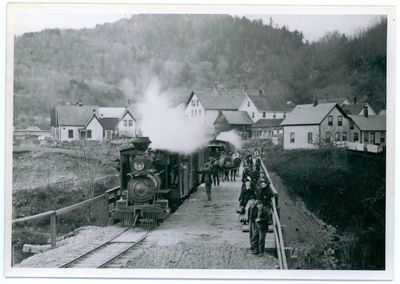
x=130, y=122
x=108, y=134
x=274, y=115
x=328, y=137
x=340, y=120
x=125, y=122
x=356, y=137
x=252, y=114
x=88, y=133
x=351, y=124
x=197, y=102
x=382, y=137
x=330, y=120
x=83, y=134
x=344, y=136
x=264, y=114
x=70, y=133
x=366, y=137
x=291, y=137
x=248, y=103
x=337, y=136
x=372, y=137
x=309, y=137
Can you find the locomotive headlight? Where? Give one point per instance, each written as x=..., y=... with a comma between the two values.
x=138, y=165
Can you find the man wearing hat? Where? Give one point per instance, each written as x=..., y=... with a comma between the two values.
x=259, y=217
x=264, y=192
x=245, y=192
x=207, y=178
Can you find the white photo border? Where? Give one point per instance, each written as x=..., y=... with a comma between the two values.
x=387, y=274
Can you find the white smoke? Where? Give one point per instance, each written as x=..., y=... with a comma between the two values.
x=232, y=137
x=166, y=125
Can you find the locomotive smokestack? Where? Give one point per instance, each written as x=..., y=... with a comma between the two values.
x=141, y=143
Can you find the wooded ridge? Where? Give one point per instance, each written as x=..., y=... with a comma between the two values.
x=114, y=62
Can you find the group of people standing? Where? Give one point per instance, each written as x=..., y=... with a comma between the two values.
x=255, y=198
x=255, y=203
x=224, y=167
x=219, y=168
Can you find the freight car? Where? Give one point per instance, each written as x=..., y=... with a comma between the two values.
x=155, y=183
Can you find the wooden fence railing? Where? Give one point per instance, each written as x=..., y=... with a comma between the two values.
x=277, y=227
x=109, y=197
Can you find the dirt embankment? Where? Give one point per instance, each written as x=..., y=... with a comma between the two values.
x=46, y=180
x=307, y=235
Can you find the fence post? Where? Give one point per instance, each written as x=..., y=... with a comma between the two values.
x=106, y=208
x=53, y=229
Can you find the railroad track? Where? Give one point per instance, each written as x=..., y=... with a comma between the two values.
x=109, y=251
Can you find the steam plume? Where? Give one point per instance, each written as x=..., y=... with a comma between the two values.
x=232, y=137
x=167, y=126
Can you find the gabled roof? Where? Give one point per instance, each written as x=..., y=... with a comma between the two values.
x=262, y=103
x=309, y=114
x=111, y=112
x=354, y=108
x=74, y=114
x=230, y=99
x=109, y=123
x=237, y=117
x=94, y=116
x=370, y=123
x=267, y=123
x=125, y=113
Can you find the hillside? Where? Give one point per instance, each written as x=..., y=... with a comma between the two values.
x=111, y=63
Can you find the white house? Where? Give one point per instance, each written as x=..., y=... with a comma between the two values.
x=204, y=106
x=368, y=129
x=312, y=125
x=92, y=130
x=127, y=125
x=74, y=122
x=258, y=106
x=68, y=120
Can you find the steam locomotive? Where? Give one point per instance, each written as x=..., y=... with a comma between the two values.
x=155, y=182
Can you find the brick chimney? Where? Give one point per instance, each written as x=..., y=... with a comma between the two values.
x=80, y=103
x=244, y=87
x=355, y=100
x=215, y=87
x=366, y=111
x=315, y=102
x=260, y=92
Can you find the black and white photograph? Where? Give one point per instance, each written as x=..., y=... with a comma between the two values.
x=199, y=141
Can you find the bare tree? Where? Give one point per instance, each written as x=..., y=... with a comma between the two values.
x=89, y=169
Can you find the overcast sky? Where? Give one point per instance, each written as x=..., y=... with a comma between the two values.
x=312, y=26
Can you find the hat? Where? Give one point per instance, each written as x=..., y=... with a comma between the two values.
x=248, y=178
x=263, y=180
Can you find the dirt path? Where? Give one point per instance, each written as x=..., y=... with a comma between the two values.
x=203, y=235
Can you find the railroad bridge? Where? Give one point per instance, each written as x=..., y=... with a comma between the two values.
x=201, y=234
